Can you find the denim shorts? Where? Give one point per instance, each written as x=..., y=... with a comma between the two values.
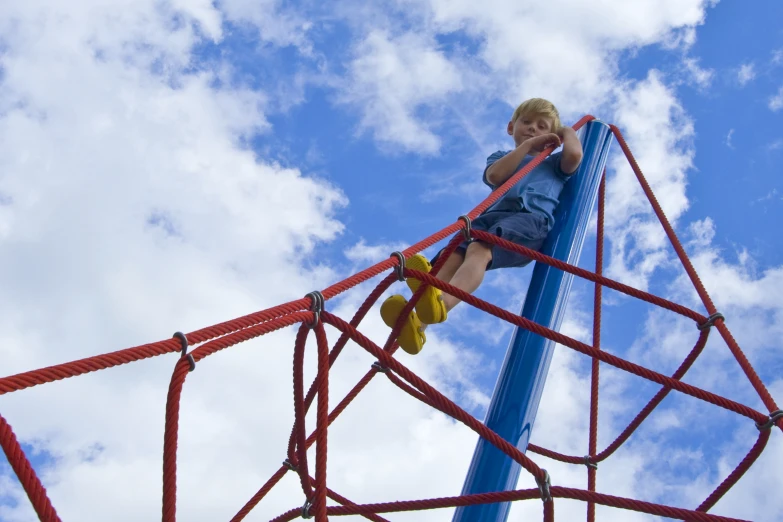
x=523, y=228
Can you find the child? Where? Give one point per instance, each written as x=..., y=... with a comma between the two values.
x=523, y=216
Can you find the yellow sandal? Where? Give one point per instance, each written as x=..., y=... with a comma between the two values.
x=430, y=308
x=411, y=337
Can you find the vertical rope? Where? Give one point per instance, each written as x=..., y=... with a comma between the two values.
x=599, y=269
x=322, y=424
x=299, y=430
x=170, y=435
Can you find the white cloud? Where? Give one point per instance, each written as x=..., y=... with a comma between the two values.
x=659, y=134
x=703, y=232
x=776, y=101
x=276, y=25
x=569, y=55
x=393, y=79
x=562, y=425
x=772, y=195
x=728, y=139
x=682, y=39
x=362, y=252
x=750, y=498
x=702, y=78
x=746, y=73
x=130, y=209
x=746, y=296
x=675, y=470
x=738, y=284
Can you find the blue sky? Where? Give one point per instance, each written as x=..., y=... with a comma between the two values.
x=167, y=166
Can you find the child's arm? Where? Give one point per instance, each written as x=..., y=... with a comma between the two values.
x=505, y=167
x=571, y=156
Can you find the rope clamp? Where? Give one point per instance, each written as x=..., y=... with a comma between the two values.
x=543, y=487
x=378, y=367
x=773, y=418
x=306, y=509
x=183, y=341
x=290, y=465
x=710, y=321
x=399, y=266
x=317, y=306
x=466, y=231
x=589, y=463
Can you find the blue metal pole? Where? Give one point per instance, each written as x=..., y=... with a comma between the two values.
x=515, y=400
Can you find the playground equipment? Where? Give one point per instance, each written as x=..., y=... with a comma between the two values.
x=498, y=460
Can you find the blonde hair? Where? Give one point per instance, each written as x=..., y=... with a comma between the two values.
x=538, y=107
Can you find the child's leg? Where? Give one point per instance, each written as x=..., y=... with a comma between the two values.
x=430, y=307
x=451, y=266
x=465, y=271
x=469, y=273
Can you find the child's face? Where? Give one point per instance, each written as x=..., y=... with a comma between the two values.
x=529, y=126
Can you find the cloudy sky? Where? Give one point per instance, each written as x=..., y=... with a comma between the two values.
x=170, y=165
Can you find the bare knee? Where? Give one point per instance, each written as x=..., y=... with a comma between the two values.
x=479, y=251
x=451, y=266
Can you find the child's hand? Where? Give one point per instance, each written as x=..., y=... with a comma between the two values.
x=565, y=130
x=572, y=150
x=539, y=143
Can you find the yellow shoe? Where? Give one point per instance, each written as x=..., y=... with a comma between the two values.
x=411, y=337
x=430, y=307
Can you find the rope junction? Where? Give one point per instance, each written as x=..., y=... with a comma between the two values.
x=310, y=314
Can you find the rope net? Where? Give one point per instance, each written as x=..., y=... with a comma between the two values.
x=310, y=315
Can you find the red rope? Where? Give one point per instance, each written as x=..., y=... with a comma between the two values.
x=579, y=346
x=299, y=456
x=735, y=475
x=521, y=494
x=592, y=444
x=171, y=430
x=640, y=417
x=335, y=413
x=590, y=276
x=260, y=494
x=766, y=398
x=315, y=489
x=345, y=502
x=442, y=402
x=322, y=421
x=343, y=340
x=656, y=400
x=26, y=474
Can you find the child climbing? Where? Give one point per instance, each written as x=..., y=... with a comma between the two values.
x=524, y=215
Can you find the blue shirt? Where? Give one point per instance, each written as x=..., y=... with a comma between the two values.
x=538, y=192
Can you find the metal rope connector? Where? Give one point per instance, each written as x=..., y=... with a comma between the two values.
x=290, y=465
x=378, y=367
x=316, y=305
x=589, y=463
x=543, y=487
x=306, y=509
x=773, y=418
x=710, y=321
x=183, y=341
x=399, y=266
x=466, y=231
